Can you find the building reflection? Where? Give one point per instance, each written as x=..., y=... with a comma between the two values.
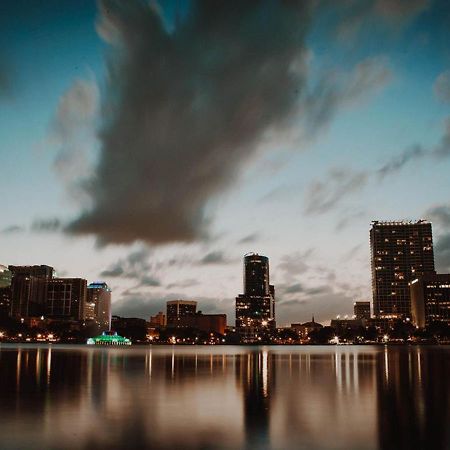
x=413, y=395
x=316, y=398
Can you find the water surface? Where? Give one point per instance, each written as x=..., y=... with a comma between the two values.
x=224, y=397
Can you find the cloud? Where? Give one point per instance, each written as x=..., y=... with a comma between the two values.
x=442, y=253
x=441, y=87
x=295, y=264
x=46, y=225
x=336, y=89
x=183, y=283
x=149, y=281
x=216, y=257
x=72, y=134
x=249, y=239
x=185, y=109
x=326, y=194
x=439, y=214
x=356, y=16
x=135, y=265
x=397, y=162
x=294, y=289
x=13, y=229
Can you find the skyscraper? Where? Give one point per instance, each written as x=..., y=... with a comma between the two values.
x=99, y=304
x=400, y=251
x=255, y=308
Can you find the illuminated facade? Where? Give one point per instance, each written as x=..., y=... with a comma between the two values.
x=255, y=308
x=400, y=251
x=430, y=299
x=98, y=304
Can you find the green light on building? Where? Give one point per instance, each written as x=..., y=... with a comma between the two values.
x=108, y=338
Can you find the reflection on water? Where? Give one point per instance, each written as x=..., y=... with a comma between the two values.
x=70, y=397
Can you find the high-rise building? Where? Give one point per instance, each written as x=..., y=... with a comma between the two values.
x=361, y=310
x=66, y=298
x=176, y=309
x=29, y=290
x=5, y=277
x=98, y=304
x=255, y=308
x=430, y=299
x=400, y=251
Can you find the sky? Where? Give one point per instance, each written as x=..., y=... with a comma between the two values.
x=152, y=144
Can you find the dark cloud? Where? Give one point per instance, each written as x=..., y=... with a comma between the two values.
x=295, y=263
x=441, y=87
x=249, y=239
x=149, y=281
x=439, y=214
x=397, y=162
x=442, y=253
x=46, y=225
x=185, y=109
x=294, y=289
x=13, y=229
x=135, y=266
x=339, y=183
x=216, y=257
x=183, y=283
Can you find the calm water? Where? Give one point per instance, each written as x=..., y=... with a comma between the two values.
x=73, y=397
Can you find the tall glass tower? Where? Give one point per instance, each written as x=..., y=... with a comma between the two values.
x=255, y=308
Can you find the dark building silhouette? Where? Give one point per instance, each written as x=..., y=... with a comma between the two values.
x=209, y=323
x=66, y=298
x=98, y=305
x=176, y=309
x=361, y=310
x=430, y=299
x=29, y=290
x=255, y=308
x=400, y=251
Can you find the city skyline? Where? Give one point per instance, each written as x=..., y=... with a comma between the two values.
x=359, y=134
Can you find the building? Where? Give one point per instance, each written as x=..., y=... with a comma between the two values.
x=304, y=329
x=255, y=308
x=400, y=251
x=5, y=277
x=209, y=323
x=66, y=298
x=29, y=290
x=345, y=324
x=158, y=321
x=361, y=310
x=98, y=304
x=176, y=309
x=430, y=299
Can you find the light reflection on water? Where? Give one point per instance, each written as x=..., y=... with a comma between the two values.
x=361, y=398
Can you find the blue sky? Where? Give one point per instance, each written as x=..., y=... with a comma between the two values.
x=302, y=191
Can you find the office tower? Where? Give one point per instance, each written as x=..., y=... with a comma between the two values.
x=5, y=291
x=430, y=299
x=98, y=304
x=29, y=290
x=361, y=310
x=400, y=251
x=66, y=298
x=255, y=308
x=176, y=309
x=159, y=320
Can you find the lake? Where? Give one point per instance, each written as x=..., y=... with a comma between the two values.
x=224, y=397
